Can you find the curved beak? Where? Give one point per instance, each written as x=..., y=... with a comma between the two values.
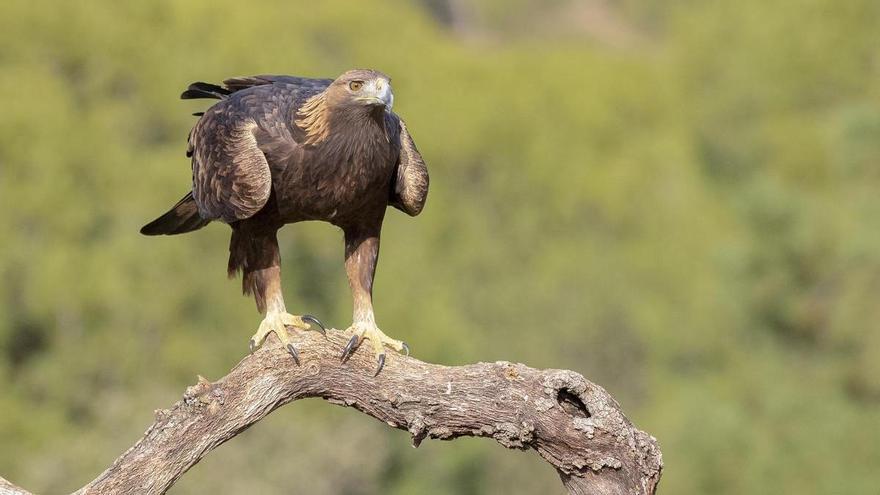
x=378, y=92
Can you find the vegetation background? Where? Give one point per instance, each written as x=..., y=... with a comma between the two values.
x=678, y=199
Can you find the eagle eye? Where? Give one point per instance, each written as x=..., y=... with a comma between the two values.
x=355, y=85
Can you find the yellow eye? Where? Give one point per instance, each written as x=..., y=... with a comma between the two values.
x=355, y=85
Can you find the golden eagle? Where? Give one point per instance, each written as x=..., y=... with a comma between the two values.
x=282, y=149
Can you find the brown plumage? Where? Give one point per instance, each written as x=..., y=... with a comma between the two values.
x=280, y=149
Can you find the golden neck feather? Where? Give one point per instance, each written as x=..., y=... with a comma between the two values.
x=314, y=119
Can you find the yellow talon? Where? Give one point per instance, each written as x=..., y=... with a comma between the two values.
x=277, y=322
x=378, y=339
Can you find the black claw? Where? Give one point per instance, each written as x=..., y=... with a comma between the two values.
x=349, y=348
x=312, y=319
x=292, y=350
x=381, y=364
x=252, y=345
x=405, y=348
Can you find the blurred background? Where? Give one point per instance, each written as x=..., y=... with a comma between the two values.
x=679, y=199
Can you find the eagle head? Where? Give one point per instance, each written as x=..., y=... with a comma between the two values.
x=362, y=88
x=355, y=97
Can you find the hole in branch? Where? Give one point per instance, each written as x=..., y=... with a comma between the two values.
x=572, y=404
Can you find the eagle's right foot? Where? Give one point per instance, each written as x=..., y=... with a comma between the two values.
x=277, y=322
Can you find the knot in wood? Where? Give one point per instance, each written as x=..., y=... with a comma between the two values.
x=313, y=369
x=417, y=428
x=202, y=393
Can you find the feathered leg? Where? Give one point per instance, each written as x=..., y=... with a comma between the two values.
x=361, y=256
x=255, y=253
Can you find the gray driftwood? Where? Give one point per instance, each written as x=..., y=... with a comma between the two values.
x=573, y=424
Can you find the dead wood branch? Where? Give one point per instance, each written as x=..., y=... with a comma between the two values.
x=572, y=423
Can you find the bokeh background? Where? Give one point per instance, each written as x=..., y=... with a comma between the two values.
x=679, y=199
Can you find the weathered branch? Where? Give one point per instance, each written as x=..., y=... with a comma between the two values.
x=572, y=423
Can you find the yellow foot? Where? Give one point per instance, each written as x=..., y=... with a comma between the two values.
x=277, y=322
x=369, y=331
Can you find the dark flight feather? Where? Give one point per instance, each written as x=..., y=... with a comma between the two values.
x=204, y=90
x=182, y=218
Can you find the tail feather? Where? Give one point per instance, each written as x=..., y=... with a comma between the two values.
x=182, y=218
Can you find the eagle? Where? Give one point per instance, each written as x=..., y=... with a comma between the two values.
x=277, y=150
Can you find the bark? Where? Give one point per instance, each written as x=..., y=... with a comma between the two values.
x=573, y=424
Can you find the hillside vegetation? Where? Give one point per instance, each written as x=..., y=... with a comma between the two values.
x=682, y=203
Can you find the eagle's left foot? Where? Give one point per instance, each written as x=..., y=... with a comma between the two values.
x=277, y=322
x=366, y=331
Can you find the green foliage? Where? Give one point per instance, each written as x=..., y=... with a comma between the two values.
x=688, y=217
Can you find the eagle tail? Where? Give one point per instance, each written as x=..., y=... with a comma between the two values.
x=182, y=218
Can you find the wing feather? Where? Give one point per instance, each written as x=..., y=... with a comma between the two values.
x=231, y=176
x=410, y=188
x=303, y=83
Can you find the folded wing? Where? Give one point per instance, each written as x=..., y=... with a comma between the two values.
x=410, y=187
x=231, y=177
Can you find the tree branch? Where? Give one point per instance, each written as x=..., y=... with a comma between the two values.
x=572, y=423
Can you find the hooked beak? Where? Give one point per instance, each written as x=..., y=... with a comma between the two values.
x=378, y=92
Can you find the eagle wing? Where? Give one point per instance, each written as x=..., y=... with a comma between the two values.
x=208, y=90
x=301, y=83
x=239, y=143
x=231, y=176
x=409, y=188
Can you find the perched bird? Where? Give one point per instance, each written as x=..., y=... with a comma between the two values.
x=281, y=149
